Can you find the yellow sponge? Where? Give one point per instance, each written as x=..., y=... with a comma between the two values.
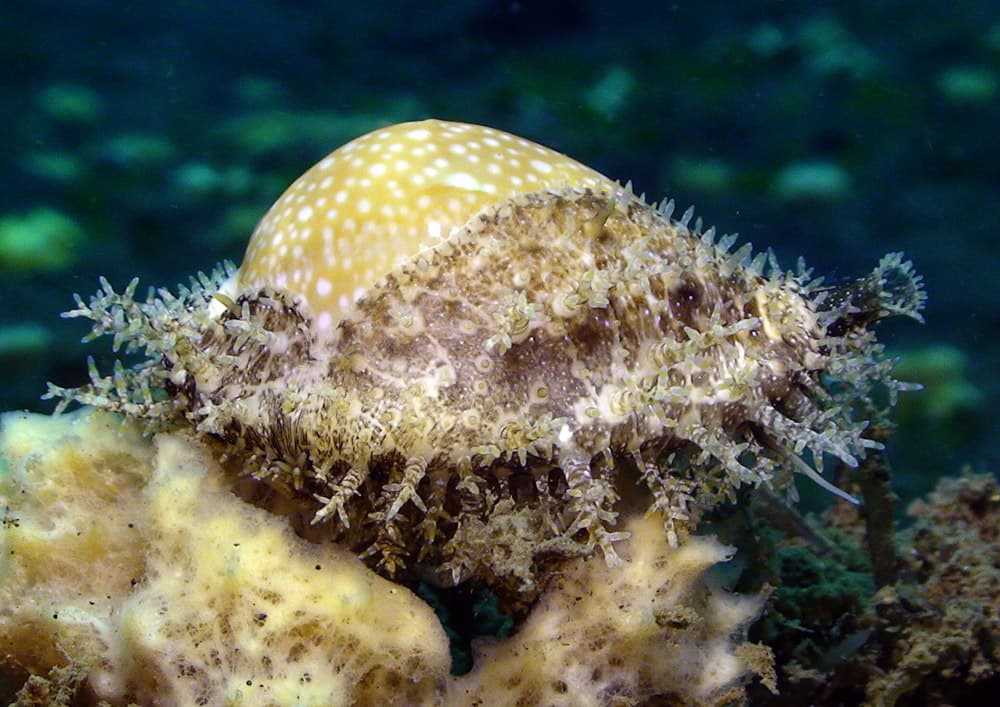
x=622, y=635
x=129, y=572
x=228, y=606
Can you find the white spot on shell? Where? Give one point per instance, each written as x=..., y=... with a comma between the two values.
x=462, y=180
x=541, y=166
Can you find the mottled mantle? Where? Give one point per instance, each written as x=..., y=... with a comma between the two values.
x=480, y=410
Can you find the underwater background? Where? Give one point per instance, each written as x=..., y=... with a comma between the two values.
x=147, y=139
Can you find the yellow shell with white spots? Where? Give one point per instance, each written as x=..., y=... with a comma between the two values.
x=380, y=199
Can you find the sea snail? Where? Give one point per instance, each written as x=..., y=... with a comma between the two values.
x=463, y=355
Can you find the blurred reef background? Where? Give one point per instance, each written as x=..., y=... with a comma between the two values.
x=147, y=139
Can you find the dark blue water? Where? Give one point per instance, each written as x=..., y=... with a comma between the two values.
x=147, y=139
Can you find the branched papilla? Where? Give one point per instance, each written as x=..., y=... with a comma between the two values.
x=164, y=329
